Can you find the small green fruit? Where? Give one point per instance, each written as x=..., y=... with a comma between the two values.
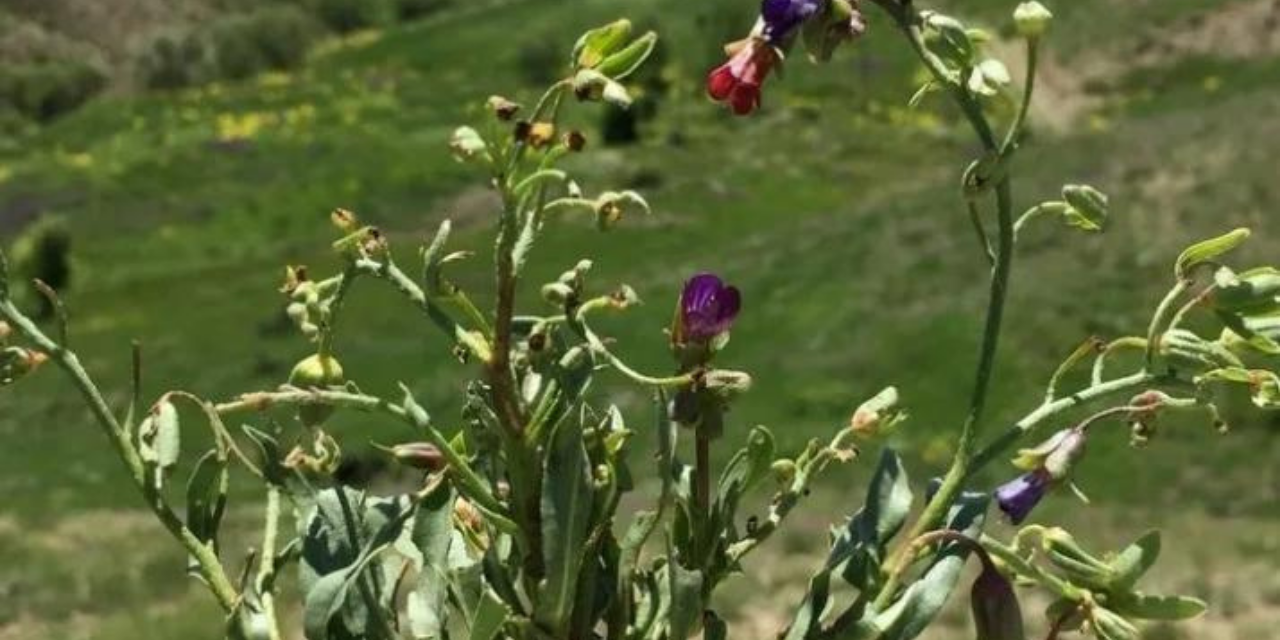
x=316, y=372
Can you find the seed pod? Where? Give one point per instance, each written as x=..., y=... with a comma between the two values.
x=316, y=372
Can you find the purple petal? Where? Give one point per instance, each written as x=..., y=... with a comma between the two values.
x=1019, y=496
x=782, y=16
x=707, y=306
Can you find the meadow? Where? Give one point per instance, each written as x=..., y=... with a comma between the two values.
x=835, y=211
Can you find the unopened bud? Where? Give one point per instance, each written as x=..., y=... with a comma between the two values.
x=467, y=144
x=558, y=293
x=996, y=612
x=344, y=220
x=17, y=362
x=503, y=108
x=878, y=415
x=1032, y=19
x=784, y=471
x=726, y=384
x=419, y=455
x=5, y=331
x=316, y=372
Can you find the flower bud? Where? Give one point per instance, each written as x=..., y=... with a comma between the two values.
x=1088, y=207
x=878, y=415
x=5, y=331
x=419, y=455
x=344, y=220
x=558, y=294
x=503, y=108
x=314, y=372
x=784, y=471
x=467, y=144
x=996, y=612
x=726, y=384
x=18, y=362
x=1032, y=19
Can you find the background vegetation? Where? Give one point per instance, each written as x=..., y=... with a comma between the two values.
x=201, y=166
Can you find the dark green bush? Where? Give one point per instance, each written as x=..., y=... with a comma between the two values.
x=43, y=252
x=414, y=9
x=44, y=91
x=275, y=37
x=173, y=61
x=345, y=16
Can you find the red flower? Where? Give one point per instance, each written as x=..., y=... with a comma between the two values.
x=737, y=82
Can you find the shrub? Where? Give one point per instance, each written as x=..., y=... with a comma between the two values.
x=44, y=91
x=43, y=252
x=345, y=16
x=270, y=38
x=173, y=61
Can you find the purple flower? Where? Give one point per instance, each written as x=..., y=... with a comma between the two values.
x=781, y=17
x=1019, y=496
x=707, y=307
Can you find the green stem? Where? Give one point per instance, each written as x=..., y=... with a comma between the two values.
x=267, y=566
x=1160, y=317
x=1028, y=88
x=210, y=566
x=1100, y=364
x=953, y=482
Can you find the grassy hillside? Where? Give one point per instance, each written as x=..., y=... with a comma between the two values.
x=834, y=211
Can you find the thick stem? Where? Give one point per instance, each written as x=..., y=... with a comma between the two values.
x=267, y=566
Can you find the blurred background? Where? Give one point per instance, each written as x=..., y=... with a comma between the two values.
x=161, y=160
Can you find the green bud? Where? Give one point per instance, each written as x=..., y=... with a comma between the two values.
x=592, y=85
x=1206, y=251
x=1254, y=291
x=316, y=372
x=784, y=471
x=1088, y=207
x=598, y=44
x=467, y=144
x=612, y=206
x=1108, y=625
x=558, y=294
x=878, y=415
x=621, y=64
x=1032, y=19
x=419, y=455
x=947, y=38
x=1076, y=564
x=1187, y=349
x=726, y=384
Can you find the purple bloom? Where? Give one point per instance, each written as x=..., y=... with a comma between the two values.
x=781, y=17
x=707, y=307
x=1019, y=496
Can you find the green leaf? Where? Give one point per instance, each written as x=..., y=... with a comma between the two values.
x=490, y=615
x=566, y=518
x=858, y=549
x=948, y=39
x=745, y=470
x=686, y=600
x=623, y=63
x=1108, y=625
x=432, y=533
x=916, y=608
x=1135, y=560
x=1149, y=607
x=597, y=44
x=1087, y=208
x=889, y=497
x=206, y=497
x=159, y=438
x=1207, y=251
x=808, y=618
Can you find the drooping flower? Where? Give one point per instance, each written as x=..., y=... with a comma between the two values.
x=708, y=307
x=738, y=81
x=781, y=17
x=1019, y=496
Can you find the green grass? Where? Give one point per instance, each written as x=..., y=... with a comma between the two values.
x=834, y=211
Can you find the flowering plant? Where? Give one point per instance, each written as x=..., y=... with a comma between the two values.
x=514, y=530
